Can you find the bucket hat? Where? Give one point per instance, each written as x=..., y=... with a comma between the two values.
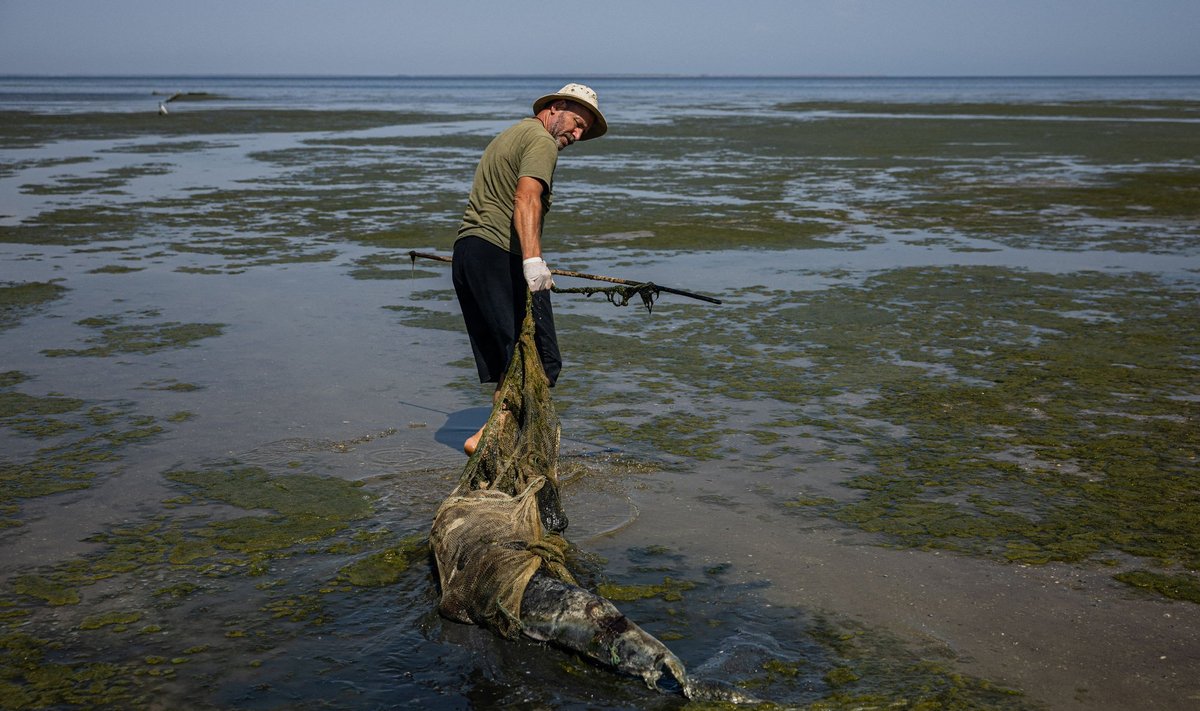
x=583, y=95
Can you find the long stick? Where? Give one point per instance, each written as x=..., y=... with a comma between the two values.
x=593, y=277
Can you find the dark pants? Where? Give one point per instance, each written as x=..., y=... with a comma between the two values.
x=491, y=291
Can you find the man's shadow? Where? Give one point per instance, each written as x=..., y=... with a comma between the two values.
x=461, y=425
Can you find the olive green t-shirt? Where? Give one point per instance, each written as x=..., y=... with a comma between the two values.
x=524, y=149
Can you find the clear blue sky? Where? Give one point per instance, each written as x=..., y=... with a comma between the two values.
x=806, y=37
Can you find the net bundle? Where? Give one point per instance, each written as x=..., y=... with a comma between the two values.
x=503, y=521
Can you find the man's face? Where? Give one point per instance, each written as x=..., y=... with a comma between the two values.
x=568, y=125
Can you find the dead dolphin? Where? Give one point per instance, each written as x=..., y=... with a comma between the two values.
x=501, y=557
x=500, y=565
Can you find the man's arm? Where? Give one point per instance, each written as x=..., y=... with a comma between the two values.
x=527, y=216
x=527, y=219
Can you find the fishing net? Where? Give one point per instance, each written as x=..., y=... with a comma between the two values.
x=503, y=521
x=619, y=295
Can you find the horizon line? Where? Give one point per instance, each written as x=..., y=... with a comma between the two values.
x=559, y=76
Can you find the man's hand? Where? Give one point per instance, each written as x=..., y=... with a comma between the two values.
x=537, y=274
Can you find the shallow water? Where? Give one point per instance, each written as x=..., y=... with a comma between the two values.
x=938, y=444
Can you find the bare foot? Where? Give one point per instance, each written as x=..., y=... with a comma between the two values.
x=472, y=442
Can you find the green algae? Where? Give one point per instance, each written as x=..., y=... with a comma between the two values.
x=116, y=338
x=192, y=556
x=1159, y=108
x=106, y=182
x=31, y=678
x=168, y=147
x=24, y=129
x=115, y=269
x=1176, y=587
x=43, y=588
x=840, y=676
x=418, y=317
x=242, y=253
x=1125, y=485
x=1059, y=438
x=29, y=294
x=807, y=501
x=669, y=590
x=155, y=550
x=870, y=669
x=385, y=567
x=1014, y=174
x=304, y=509
x=172, y=385
x=783, y=668
x=73, y=225
x=82, y=444
x=17, y=300
x=14, y=404
x=119, y=621
x=308, y=608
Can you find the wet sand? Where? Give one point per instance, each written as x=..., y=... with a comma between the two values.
x=1068, y=636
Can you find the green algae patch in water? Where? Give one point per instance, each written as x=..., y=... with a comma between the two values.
x=16, y=300
x=119, y=621
x=108, y=182
x=669, y=590
x=32, y=678
x=680, y=433
x=16, y=406
x=306, y=508
x=29, y=294
x=291, y=495
x=20, y=128
x=78, y=444
x=242, y=253
x=385, y=567
x=418, y=317
x=870, y=669
x=177, y=575
x=115, y=269
x=116, y=337
x=53, y=592
x=171, y=385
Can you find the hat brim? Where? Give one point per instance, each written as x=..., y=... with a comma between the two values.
x=598, y=128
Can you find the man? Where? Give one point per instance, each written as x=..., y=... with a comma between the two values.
x=498, y=252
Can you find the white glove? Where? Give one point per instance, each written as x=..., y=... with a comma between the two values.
x=537, y=274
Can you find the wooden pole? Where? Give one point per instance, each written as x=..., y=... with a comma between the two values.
x=593, y=277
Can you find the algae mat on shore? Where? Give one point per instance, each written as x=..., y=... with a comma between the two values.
x=1011, y=414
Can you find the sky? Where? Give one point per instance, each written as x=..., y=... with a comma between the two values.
x=602, y=37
